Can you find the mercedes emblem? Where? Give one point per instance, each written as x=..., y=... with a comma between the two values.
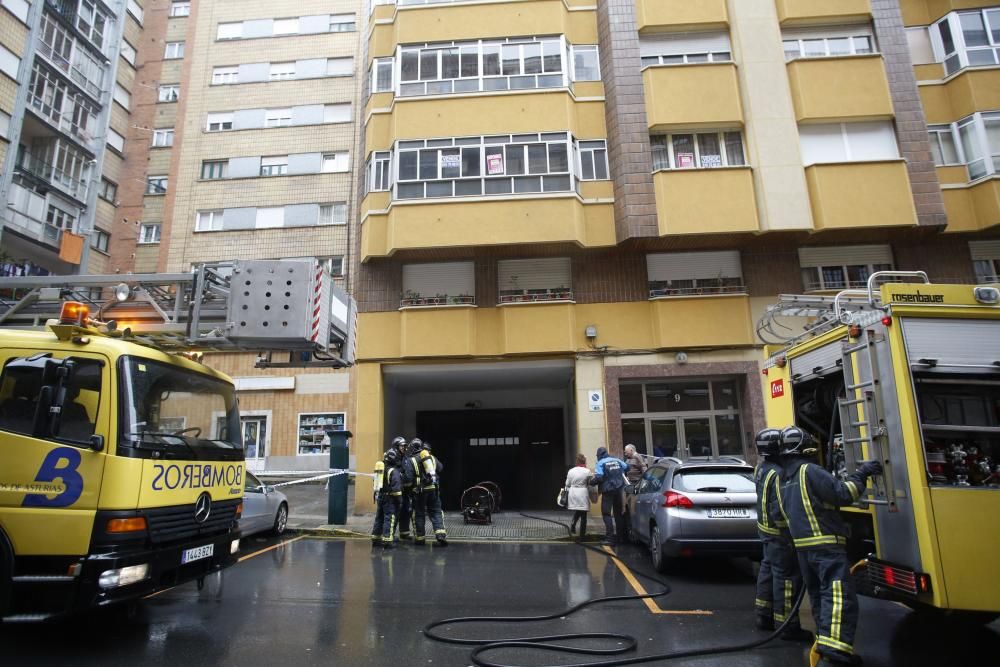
x=202, y=507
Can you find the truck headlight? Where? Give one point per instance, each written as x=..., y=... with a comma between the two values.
x=234, y=546
x=123, y=576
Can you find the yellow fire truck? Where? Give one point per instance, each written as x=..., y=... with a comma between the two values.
x=907, y=373
x=121, y=465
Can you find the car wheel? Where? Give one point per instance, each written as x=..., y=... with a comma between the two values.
x=281, y=519
x=656, y=549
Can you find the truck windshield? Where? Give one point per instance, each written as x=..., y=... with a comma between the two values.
x=178, y=412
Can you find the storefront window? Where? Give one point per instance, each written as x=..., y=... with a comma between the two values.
x=631, y=398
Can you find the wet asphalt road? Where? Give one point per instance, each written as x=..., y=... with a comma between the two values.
x=321, y=601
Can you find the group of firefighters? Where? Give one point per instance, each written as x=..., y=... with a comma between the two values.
x=804, y=541
x=407, y=492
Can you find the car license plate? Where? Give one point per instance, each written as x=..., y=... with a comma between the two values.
x=729, y=513
x=197, y=553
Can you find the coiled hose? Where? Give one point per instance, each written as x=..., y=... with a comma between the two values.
x=624, y=642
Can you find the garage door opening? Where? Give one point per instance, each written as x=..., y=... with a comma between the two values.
x=512, y=423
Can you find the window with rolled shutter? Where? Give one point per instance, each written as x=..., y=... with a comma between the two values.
x=986, y=260
x=438, y=284
x=842, y=267
x=686, y=273
x=528, y=280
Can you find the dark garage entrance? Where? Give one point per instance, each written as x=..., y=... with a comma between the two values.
x=521, y=449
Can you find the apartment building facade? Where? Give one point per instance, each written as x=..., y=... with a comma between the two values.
x=573, y=213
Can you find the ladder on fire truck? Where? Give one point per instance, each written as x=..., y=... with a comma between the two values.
x=266, y=306
x=862, y=415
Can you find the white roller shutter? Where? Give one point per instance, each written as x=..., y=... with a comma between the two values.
x=683, y=42
x=985, y=250
x=816, y=363
x=448, y=278
x=845, y=255
x=548, y=273
x=693, y=265
x=952, y=342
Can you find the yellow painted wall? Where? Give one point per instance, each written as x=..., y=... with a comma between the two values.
x=689, y=96
x=688, y=322
x=705, y=201
x=443, y=23
x=860, y=194
x=834, y=89
x=536, y=111
x=974, y=208
x=661, y=15
x=972, y=90
x=924, y=12
x=485, y=223
x=820, y=11
x=368, y=431
x=929, y=71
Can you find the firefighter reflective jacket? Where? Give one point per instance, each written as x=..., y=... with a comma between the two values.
x=766, y=477
x=392, y=482
x=808, y=500
x=411, y=473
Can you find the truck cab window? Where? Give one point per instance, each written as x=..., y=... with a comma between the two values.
x=21, y=388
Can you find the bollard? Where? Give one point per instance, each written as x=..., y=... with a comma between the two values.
x=339, y=460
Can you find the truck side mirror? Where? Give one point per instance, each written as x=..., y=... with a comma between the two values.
x=97, y=443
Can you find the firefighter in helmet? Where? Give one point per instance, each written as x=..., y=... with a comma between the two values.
x=808, y=500
x=406, y=504
x=427, y=500
x=779, y=581
x=390, y=497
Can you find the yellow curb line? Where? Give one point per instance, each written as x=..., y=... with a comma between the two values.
x=650, y=603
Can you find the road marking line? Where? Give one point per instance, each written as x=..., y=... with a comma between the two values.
x=650, y=603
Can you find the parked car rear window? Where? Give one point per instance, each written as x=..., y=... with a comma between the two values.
x=720, y=481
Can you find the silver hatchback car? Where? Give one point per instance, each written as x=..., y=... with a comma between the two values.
x=699, y=506
x=264, y=508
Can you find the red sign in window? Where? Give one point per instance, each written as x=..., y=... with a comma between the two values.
x=777, y=388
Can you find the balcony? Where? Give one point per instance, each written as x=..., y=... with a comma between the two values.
x=688, y=201
x=840, y=88
x=26, y=211
x=415, y=300
x=536, y=295
x=703, y=95
x=860, y=195
x=974, y=208
x=71, y=179
x=967, y=92
x=822, y=11
x=659, y=289
x=653, y=15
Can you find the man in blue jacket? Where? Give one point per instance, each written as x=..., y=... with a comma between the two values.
x=609, y=476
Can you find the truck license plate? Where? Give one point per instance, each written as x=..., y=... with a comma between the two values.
x=729, y=513
x=197, y=553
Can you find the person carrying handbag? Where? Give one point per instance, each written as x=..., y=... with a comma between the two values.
x=578, y=494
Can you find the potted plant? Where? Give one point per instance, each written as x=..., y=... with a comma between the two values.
x=411, y=298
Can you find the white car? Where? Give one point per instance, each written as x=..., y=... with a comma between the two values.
x=264, y=508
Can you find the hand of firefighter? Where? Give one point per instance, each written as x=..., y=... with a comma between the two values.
x=870, y=468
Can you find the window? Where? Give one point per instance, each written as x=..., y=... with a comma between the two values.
x=828, y=42
x=586, y=63
x=278, y=117
x=704, y=150
x=122, y=96
x=179, y=9
x=462, y=67
x=108, y=190
x=229, y=31
x=491, y=165
x=337, y=113
x=225, y=75
x=217, y=122
x=164, y=137
x=842, y=267
x=274, y=166
x=438, y=284
x=848, y=142
x=135, y=10
x=285, y=26
x=91, y=21
x=339, y=66
x=20, y=396
x=99, y=240
x=149, y=233
x=156, y=185
x=312, y=430
x=986, y=260
x=333, y=214
x=943, y=146
x=687, y=273
x=128, y=53
x=336, y=162
x=173, y=51
x=116, y=141
x=335, y=265
x=531, y=280
x=208, y=221
x=593, y=160
x=214, y=169
x=9, y=62
x=56, y=217
x=979, y=144
x=685, y=48
x=378, y=172
x=967, y=39
x=342, y=23
x=282, y=71
x=382, y=75
x=168, y=93
x=270, y=216
x=4, y=124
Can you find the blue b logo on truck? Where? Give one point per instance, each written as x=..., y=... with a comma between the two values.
x=60, y=463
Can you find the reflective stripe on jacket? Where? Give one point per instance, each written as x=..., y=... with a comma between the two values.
x=808, y=500
x=765, y=477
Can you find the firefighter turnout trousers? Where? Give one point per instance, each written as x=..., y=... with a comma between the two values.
x=427, y=505
x=784, y=580
x=827, y=577
x=406, y=514
x=379, y=520
x=389, y=508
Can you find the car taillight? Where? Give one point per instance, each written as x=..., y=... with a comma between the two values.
x=674, y=499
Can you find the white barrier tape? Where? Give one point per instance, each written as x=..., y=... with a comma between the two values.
x=333, y=473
